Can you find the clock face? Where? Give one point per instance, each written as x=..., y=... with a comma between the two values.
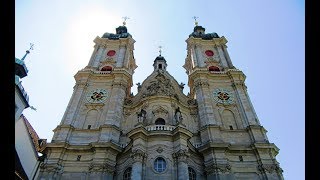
x=223, y=96
x=209, y=53
x=111, y=53
x=97, y=95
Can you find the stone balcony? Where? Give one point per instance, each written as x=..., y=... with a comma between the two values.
x=160, y=128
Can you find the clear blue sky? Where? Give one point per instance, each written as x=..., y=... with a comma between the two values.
x=266, y=40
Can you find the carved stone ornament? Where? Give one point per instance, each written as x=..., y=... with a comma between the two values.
x=161, y=86
x=101, y=168
x=55, y=168
x=218, y=168
x=159, y=150
x=269, y=168
x=127, y=101
x=160, y=111
x=192, y=102
x=138, y=155
x=201, y=83
x=181, y=155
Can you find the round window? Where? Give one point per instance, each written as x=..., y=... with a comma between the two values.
x=111, y=53
x=209, y=53
x=160, y=164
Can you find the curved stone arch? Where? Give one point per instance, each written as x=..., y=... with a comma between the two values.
x=159, y=111
x=197, y=166
x=228, y=119
x=124, y=162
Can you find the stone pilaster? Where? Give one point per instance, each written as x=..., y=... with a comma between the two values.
x=138, y=157
x=202, y=91
x=115, y=109
x=51, y=171
x=74, y=102
x=181, y=160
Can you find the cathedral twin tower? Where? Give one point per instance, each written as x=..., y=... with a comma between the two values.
x=109, y=133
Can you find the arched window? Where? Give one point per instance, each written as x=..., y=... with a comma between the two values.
x=160, y=164
x=213, y=68
x=192, y=174
x=106, y=68
x=127, y=174
x=160, y=121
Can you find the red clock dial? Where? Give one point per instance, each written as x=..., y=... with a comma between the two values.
x=111, y=53
x=209, y=53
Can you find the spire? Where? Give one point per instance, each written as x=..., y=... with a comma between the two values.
x=27, y=51
x=124, y=20
x=160, y=50
x=195, y=20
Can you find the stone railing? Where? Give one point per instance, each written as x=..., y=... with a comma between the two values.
x=102, y=72
x=159, y=128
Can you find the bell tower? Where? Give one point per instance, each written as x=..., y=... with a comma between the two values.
x=229, y=127
x=89, y=132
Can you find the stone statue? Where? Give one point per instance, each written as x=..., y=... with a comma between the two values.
x=141, y=116
x=178, y=116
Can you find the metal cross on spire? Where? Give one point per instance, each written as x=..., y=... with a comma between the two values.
x=27, y=51
x=160, y=50
x=195, y=20
x=124, y=20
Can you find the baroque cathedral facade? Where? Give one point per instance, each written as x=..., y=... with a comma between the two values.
x=160, y=133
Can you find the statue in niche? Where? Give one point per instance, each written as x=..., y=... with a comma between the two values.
x=141, y=116
x=178, y=116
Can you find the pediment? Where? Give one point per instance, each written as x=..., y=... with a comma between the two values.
x=159, y=110
x=159, y=84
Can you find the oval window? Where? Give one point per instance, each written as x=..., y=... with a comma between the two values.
x=160, y=164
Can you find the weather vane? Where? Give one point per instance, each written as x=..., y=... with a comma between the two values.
x=125, y=19
x=195, y=20
x=28, y=51
x=160, y=50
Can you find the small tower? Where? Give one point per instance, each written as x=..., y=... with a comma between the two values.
x=22, y=98
x=160, y=62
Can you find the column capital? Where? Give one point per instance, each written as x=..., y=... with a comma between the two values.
x=181, y=156
x=201, y=83
x=138, y=155
x=121, y=85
